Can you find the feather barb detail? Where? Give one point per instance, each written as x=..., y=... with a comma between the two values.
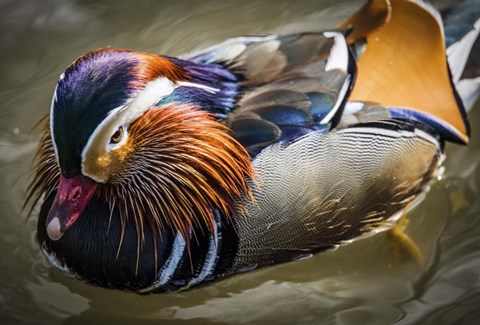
x=183, y=165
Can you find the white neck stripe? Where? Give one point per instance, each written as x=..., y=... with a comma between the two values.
x=166, y=272
x=210, y=259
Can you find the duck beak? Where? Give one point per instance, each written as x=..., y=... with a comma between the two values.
x=73, y=195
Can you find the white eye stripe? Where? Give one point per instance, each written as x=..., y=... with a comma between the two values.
x=154, y=92
x=136, y=107
x=126, y=114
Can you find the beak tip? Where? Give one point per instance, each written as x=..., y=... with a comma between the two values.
x=54, y=230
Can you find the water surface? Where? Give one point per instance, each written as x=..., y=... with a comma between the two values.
x=375, y=280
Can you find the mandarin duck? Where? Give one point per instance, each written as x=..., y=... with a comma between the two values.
x=159, y=173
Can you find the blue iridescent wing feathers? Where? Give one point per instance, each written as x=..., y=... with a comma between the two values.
x=289, y=85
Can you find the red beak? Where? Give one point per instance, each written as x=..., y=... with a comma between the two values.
x=73, y=195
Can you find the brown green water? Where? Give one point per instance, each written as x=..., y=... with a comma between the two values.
x=371, y=281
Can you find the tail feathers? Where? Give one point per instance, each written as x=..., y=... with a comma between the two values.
x=462, y=28
x=459, y=52
x=469, y=91
x=405, y=64
x=459, y=17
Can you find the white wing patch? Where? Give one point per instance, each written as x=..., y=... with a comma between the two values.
x=338, y=58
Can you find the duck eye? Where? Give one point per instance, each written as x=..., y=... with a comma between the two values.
x=117, y=136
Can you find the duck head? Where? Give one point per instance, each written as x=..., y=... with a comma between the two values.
x=124, y=130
